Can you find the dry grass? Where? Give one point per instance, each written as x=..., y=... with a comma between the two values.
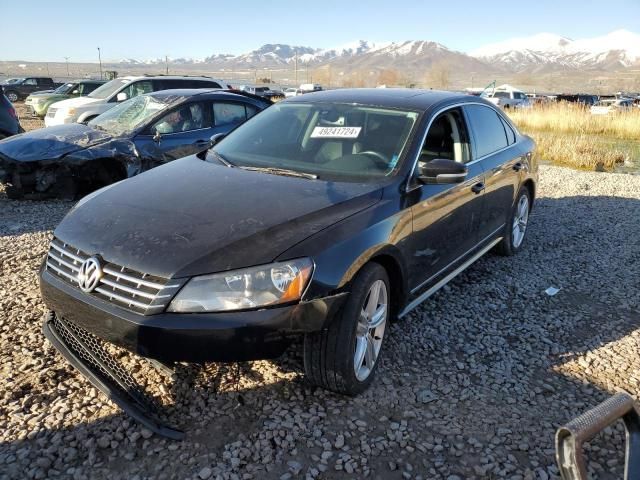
x=578, y=151
x=571, y=118
x=568, y=134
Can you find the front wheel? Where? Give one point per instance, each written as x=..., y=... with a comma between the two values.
x=12, y=96
x=516, y=227
x=345, y=356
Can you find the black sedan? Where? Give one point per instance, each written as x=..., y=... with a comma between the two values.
x=328, y=215
x=136, y=135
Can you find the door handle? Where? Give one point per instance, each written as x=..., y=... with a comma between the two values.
x=517, y=167
x=477, y=188
x=202, y=142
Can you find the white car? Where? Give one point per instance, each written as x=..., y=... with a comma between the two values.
x=292, y=92
x=614, y=105
x=83, y=109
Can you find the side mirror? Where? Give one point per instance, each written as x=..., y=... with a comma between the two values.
x=441, y=171
x=215, y=139
x=121, y=97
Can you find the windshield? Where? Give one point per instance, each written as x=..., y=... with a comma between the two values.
x=12, y=80
x=65, y=88
x=334, y=141
x=108, y=88
x=129, y=115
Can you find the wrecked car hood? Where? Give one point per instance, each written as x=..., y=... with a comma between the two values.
x=191, y=217
x=51, y=143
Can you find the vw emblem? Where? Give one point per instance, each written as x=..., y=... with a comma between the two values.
x=90, y=274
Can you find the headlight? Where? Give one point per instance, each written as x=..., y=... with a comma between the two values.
x=253, y=287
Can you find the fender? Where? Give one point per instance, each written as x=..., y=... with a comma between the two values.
x=86, y=115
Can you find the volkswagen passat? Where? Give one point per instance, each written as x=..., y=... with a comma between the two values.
x=327, y=215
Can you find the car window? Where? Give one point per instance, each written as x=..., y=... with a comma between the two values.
x=501, y=94
x=346, y=142
x=86, y=88
x=447, y=138
x=511, y=135
x=226, y=113
x=138, y=88
x=251, y=110
x=30, y=81
x=488, y=130
x=204, y=84
x=182, y=119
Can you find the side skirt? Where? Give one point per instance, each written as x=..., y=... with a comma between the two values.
x=448, y=278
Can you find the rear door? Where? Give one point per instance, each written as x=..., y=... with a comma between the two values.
x=445, y=217
x=227, y=115
x=494, y=146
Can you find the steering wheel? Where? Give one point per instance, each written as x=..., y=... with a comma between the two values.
x=382, y=161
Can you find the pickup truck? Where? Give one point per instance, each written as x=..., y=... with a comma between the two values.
x=509, y=99
x=23, y=87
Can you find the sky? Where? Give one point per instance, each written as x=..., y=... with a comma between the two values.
x=51, y=30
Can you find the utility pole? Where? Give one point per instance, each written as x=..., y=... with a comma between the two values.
x=296, y=66
x=255, y=76
x=100, y=62
x=67, y=60
x=166, y=62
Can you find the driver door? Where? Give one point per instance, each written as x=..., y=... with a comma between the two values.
x=445, y=216
x=168, y=139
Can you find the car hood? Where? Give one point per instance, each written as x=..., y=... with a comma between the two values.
x=77, y=102
x=41, y=92
x=51, y=143
x=192, y=217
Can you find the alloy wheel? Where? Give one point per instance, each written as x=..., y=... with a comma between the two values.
x=12, y=97
x=520, y=220
x=370, y=330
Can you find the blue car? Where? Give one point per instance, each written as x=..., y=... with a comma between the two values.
x=66, y=161
x=9, y=124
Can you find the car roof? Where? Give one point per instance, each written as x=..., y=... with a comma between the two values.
x=204, y=93
x=411, y=98
x=168, y=77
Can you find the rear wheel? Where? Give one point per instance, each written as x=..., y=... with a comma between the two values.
x=516, y=227
x=345, y=356
x=12, y=96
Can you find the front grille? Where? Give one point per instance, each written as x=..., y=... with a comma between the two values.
x=111, y=370
x=51, y=112
x=129, y=289
x=92, y=350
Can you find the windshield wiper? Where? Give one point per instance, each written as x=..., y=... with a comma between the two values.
x=281, y=171
x=220, y=158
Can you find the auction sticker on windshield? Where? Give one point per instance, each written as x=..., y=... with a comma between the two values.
x=336, y=132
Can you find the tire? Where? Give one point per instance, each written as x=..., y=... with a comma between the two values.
x=13, y=193
x=12, y=96
x=330, y=356
x=513, y=239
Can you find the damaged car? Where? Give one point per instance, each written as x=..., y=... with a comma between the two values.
x=326, y=217
x=148, y=130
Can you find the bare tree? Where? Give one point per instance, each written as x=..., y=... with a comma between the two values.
x=439, y=76
x=388, y=77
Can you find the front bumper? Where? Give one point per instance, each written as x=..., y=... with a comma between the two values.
x=190, y=337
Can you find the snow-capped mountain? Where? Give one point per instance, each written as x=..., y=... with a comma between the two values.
x=617, y=49
x=542, y=52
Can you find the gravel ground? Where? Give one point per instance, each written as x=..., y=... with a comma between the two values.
x=473, y=384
